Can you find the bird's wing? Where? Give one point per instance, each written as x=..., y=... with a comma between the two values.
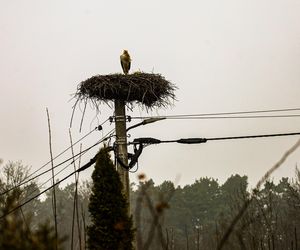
x=122, y=64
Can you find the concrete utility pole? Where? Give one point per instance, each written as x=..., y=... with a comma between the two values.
x=121, y=144
x=148, y=90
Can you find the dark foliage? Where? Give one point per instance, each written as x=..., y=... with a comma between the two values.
x=199, y=215
x=196, y=217
x=111, y=227
x=21, y=229
x=16, y=232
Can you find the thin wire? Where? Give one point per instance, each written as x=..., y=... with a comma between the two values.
x=34, y=197
x=28, y=180
x=65, y=150
x=204, y=140
x=236, y=117
x=204, y=117
x=251, y=136
x=222, y=113
x=40, y=186
x=78, y=158
x=46, y=171
x=47, y=189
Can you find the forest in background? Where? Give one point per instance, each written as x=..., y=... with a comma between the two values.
x=194, y=216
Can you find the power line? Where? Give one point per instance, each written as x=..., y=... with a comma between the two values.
x=38, y=188
x=96, y=128
x=31, y=179
x=39, y=194
x=48, y=170
x=251, y=136
x=149, y=140
x=226, y=117
x=78, y=156
x=222, y=113
x=84, y=167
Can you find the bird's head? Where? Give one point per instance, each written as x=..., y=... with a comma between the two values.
x=125, y=52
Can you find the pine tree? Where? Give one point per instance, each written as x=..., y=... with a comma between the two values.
x=111, y=227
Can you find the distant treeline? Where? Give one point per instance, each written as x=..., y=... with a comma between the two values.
x=195, y=216
x=199, y=214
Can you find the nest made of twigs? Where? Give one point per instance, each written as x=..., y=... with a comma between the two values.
x=151, y=90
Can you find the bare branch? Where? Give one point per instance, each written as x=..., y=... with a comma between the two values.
x=253, y=194
x=52, y=168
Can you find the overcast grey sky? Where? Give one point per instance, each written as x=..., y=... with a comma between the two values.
x=224, y=56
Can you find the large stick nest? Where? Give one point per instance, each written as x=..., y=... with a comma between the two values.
x=150, y=90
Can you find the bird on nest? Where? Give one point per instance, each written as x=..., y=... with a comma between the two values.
x=125, y=61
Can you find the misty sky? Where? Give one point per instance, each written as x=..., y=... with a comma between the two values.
x=224, y=56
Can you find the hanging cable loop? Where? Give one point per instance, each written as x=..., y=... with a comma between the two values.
x=132, y=157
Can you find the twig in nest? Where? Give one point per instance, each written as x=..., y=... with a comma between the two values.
x=147, y=90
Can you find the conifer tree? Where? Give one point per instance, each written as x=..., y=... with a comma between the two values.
x=111, y=227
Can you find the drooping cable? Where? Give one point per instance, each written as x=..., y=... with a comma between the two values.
x=104, y=138
x=56, y=174
x=65, y=150
x=228, y=115
x=48, y=170
x=84, y=167
x=203, y=117
x=150, y=140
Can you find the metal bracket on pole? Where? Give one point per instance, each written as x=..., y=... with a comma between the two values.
x=119, y=118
